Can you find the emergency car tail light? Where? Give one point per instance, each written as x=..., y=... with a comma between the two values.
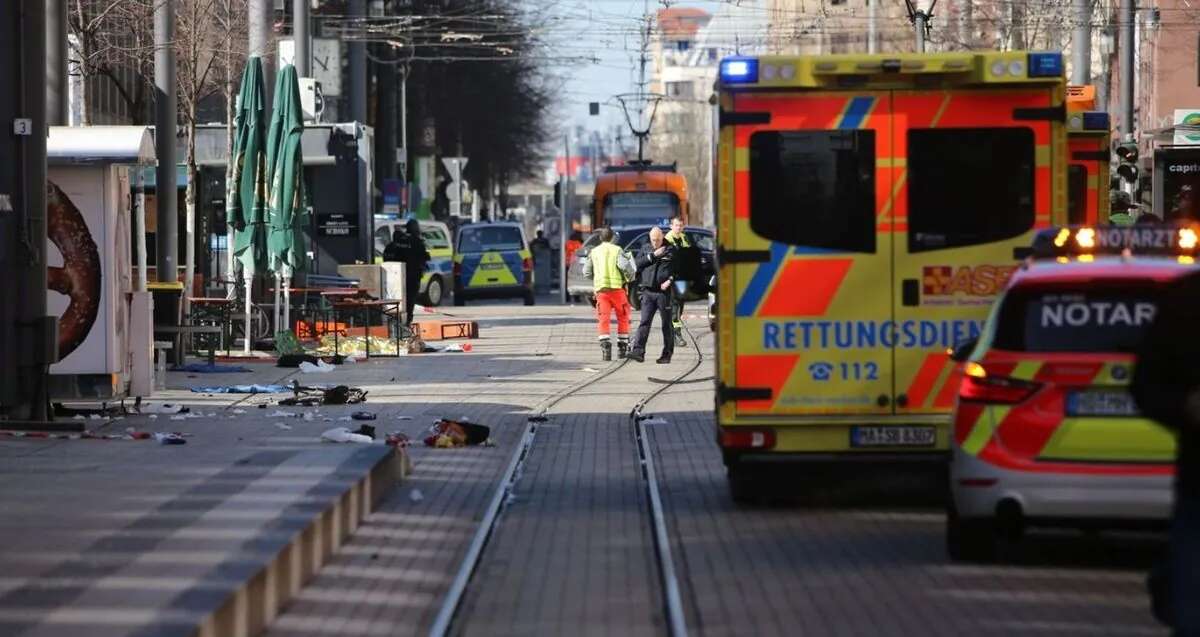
x=1045, y=64
x=457, y=270
x=982, y=387
x=747, y=439
x=739, y=70
x=527, y=264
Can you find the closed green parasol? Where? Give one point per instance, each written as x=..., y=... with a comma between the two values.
x=287, y=202
x=246, y=186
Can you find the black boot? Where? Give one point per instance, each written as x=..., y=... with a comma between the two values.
x=605, y=351
x=622, y=349
x=663, y=360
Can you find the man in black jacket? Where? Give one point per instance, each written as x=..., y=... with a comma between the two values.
x=1166, y=386
x=655, y=276
x=408, y=247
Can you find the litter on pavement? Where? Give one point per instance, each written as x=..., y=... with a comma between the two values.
x=654, y=421
x=341, y=434
x=241, y=389
x=457, y=433
x=210, y=368
x=363, y=415
x=324, y=395
x=320, y=367
x=162, y=408
x=169, y=438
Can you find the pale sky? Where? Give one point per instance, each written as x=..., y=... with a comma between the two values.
x=608, y=30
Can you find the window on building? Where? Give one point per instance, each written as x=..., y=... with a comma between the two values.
x=683, y=45
x=713, y=54
x=839, y=43
x=680, y=89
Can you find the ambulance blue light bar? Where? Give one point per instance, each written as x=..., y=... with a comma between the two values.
x=1045, y=64
x=739, y=70
x=1149, y=239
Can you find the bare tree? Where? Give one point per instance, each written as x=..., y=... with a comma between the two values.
x=198, y=43
x=112, y=40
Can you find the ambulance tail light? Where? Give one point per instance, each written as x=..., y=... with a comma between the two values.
x=739, y=70
x=747, y=438
x=981, y=387
x=1045, y=65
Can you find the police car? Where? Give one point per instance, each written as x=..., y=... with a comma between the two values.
x=492, y=260
x=1045, y=431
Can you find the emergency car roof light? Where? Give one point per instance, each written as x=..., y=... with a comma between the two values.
x=739, y=70
x=1086, y=238
x=1045, y=64
x=1084, y=242
x=1096, y=120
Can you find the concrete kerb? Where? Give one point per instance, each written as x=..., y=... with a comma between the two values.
x=254, y=604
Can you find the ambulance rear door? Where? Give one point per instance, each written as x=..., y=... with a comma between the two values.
x=977, y=180
x=810, y=298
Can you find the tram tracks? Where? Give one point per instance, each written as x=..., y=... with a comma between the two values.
x=446, y=617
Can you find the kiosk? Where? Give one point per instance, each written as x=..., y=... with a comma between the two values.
x=93, y=208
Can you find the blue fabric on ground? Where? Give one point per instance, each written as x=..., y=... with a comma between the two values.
x=205, y=368
x=242, y=389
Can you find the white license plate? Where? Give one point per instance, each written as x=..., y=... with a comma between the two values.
x=905, y=436
x=1100, y=403
x=492, y=266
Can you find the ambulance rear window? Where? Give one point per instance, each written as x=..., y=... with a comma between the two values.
x=1105, y=319
x=814, y=188
x=960, y=196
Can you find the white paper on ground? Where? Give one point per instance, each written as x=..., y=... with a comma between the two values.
x=320, y=367
x=341, y=434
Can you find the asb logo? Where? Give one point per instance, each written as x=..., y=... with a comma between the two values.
x=979, y=280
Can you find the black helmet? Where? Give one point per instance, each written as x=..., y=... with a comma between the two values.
x=413, y=226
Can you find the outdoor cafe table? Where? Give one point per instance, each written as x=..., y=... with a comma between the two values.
x=391, y=309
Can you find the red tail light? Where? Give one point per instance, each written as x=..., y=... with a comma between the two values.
x=747, y=438
x=980, y=386
x=457, y=270
x=527, y=264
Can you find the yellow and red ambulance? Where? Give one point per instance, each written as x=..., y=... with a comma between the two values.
x=1089, y=134
x=868, y=211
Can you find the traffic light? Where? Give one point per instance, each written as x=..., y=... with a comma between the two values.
x=1127, y=157
x=558, y=194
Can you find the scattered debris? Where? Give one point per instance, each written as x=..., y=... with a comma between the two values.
x=415, y=496
x=590, y=370
x=308, y=416
x=538, y=418
x=313, y=396
x=239, y=411
x=457, y=347
x=404, y=417
x=363, y=415
x=169, y=438
x=652, y=420
x=284, y=426
x=366, y=430
x=209, y=368
x=320, y=367
x=279, y=413
x=294, y=360
x=457, y=433
x=241, y=389
x=162, y=408
x=341, y=434
x=397, y=439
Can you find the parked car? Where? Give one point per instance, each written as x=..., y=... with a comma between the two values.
x=633, y=239
x=436, y=280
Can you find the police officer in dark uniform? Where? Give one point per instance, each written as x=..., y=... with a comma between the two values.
x=655, y=278
x=408, y=247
